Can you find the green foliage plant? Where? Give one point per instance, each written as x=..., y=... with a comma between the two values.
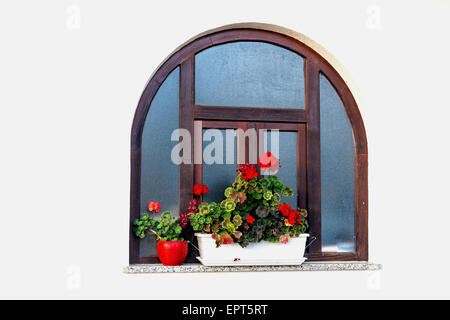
x=166, y=228
x=252, y=211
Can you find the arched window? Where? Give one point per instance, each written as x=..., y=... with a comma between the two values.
x=271, y=80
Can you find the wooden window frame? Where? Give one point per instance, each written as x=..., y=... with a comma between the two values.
x=314, y=65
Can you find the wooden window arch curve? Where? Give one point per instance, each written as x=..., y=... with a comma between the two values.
x=314, y=65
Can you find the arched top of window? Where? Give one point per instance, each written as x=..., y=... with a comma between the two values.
x=257, y=75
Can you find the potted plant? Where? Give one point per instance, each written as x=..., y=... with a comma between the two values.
x=251, y=226
x=172, y=249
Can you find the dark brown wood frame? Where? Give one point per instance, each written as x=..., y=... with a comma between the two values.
x=315, y=65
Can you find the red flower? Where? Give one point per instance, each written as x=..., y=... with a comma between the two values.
x=285, y=209
x=154, y=206
x=193, y=206
x=250, y=219
x=291, y=220
x=293, y=217
x=198, y=189
x=184, y=219
x=248, y=172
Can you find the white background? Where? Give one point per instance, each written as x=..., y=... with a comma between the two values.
x=68, y=93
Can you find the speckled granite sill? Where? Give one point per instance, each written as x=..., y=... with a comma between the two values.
x=307, y=266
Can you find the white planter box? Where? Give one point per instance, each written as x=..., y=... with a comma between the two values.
x=261, y=253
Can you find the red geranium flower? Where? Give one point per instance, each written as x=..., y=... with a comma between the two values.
x=198, y=189
x=291, y=220
x=285, y=209
x=248, y=172
x=154, y=206
x=250, y=219
x=184, y=219
x=293, y=217
x=193, y=206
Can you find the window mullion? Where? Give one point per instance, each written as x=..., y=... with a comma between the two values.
x=313, y=153
x=187, y=122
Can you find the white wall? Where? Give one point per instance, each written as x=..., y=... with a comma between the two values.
x=67, y=99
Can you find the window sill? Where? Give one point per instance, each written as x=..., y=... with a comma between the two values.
x=307, y=266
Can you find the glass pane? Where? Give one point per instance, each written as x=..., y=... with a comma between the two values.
x=337, y=159
x=159, y=175
x=250, y=74
x=283, y=145
x=218, y=176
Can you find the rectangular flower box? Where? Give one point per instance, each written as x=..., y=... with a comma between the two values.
x=257, y=254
